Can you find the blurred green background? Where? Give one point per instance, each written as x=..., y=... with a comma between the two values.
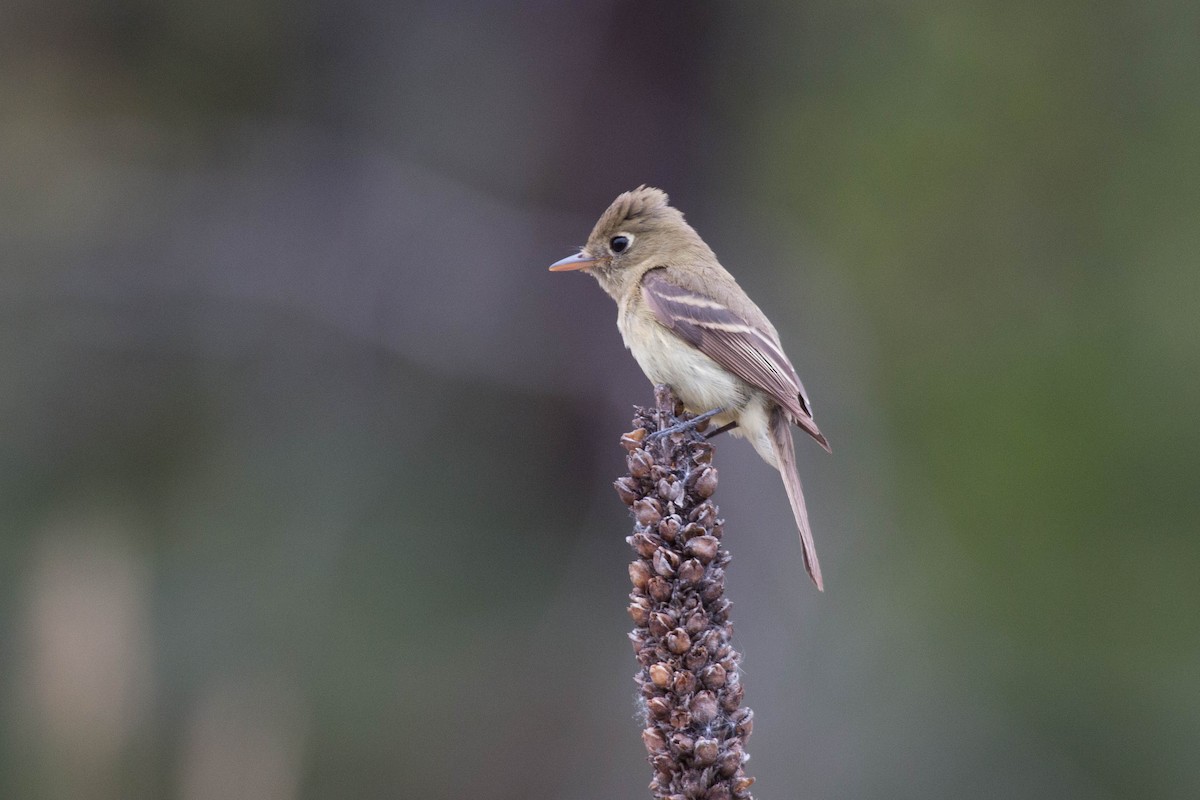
x=305, y=460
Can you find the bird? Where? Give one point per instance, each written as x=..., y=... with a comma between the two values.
x=689, y=325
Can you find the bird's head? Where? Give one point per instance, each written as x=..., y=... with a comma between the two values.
x=638, y=232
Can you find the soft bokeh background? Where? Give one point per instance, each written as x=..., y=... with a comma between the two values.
x=305, y=459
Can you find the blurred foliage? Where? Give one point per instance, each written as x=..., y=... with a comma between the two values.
x=304, y=475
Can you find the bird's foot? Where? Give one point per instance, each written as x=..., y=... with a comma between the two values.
x=726, y=427
x=690, y=424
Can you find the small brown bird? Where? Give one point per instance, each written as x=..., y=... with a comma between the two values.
x=690, y=326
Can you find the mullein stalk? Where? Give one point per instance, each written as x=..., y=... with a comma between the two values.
x=689, y=686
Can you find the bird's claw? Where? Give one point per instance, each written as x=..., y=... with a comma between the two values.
x=687, y=425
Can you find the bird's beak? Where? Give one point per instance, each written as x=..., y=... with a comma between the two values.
x=580, y=260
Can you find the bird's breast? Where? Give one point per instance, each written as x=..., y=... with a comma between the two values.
x=701, y=383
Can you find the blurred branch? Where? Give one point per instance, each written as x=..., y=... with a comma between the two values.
x=695, y=727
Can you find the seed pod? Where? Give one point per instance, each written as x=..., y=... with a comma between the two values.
x=647, y=511
x=639, y=574
x=706, y=483
x=678, y=641
x=640, y=463
x=703, y=547
x=653, y=740
x=706, y=751
x=660, y=675
x=627, y=489
x=704, y=707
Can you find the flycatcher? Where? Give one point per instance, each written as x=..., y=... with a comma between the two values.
x=690, y=326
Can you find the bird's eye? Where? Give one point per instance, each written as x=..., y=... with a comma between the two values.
x=619, y=244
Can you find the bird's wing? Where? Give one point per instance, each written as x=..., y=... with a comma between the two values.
x=746, y=350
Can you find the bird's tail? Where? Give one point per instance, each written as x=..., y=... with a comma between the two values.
x=785, y=459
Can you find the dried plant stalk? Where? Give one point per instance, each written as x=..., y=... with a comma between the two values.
x=690, y=687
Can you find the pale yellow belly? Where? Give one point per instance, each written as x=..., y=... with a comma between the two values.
x=698, y=381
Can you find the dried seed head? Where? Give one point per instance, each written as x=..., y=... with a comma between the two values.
x=668, y=529
x=688, y=678
x=639, y=574
x=678, y=641
x=665, y=562
x=682, y=743
x=633, y=440
x=719, y=792
x=728, y=762
x=658, y=708
x=660, y=675
x=627, y=489
x=704, y=707
x=690, y=572
x=670, y=489
x=703, y=547
x=643, y=543
x=696, y=622
x=639, y=610
x=713, y=676
x=706, y=751
x=653, y=740
x=681, y=718
x=647, y=511
x=744, y=719
x=706, y=482
x=660, y=623
x=696, y=658
x=683, y=682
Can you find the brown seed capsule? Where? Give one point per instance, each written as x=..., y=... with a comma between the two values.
x=627, y=489
x=706, y=483
x=696, y=622
x=703, y=515
x=678, y=641
x=640, y=463
x=660, y=624
x=633, y=439
x=668, y=529
x=742, y=785
x=733, y=698
x=663, y=763
x=702, y=453
x=692, y=530
x=665, y=562
x=683, y=682
x=713, y=676
x=653, y=740
x=704, y=707
x=706, y=752
x=683, y=744
x=690, y=572
x=647, y=511
x=681, y=718
x=639, y=574
x=693, y=785
x=729, y=762
x=658, y=708
x=720, y=609
x=644, y=544
x=744, y=719
x=719, y=792
x=670, y=489
x=696, y=658
x=639, y=610
x=703, y=547
x=658, y=588
x=660, y=675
